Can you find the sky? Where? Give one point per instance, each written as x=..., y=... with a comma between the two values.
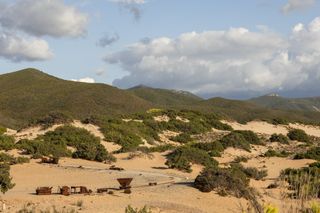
x=231, y=48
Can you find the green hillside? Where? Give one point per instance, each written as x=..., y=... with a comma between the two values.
x=30, y=94
x=281, y=103
x=164, y=97
x=244, y=111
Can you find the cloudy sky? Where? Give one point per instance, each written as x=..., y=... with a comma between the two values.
x=229, y=48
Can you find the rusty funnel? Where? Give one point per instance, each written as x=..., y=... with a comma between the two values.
x=124, y=182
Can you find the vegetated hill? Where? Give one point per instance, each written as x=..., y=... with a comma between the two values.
x=165, y=97
x=31, y=94
x=244, y=111
x=281, y=103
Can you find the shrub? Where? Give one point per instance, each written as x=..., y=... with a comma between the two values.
x=279, y=138
x=298, y=135
x=229, y=180
x=6, y=142
x=214, y=148
x=53, y=118
x=130, y=209
x=39, y=148
x=313, y=153
x=279, y=121
x=304, y=182
x=250, y=136
x=240, y=159
x=5, y=179
x=160, y=148
x=254, y=173
x=2, y=130
x=11, y=160
x=182, y=157
x=182, y=138
x=236, y=140
x=273, y=153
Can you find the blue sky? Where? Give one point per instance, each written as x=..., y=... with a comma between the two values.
x=172, y=44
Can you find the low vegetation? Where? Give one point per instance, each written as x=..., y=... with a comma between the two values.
x=227, y=181
x=5, y=179
x=11, y=160
x=130, y=209
x=56, y=143
x=273, y=153
x=6, y=142
x=240, y=139
x=298, y=135
x=279, y=138
x=183, y=157
x=214, y=149
x=304, y=182
x=312, y=153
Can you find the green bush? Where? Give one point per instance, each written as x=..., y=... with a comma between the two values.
x=254, y=173
x=273, y=153
x=55, y=143
x=230, y=181
x=236, y=140
x=11, y=160
x=312, y=153
x=279, y=121
x=2, y=130
x=38, y=148
x=160, y=148
x=182, y=138
x=304, y=182
x=182, y=157
x=214, y=148
x=250, y=136
x=5, y=179
x=53, y=118
x=298, y=135
x=279, y=138
x=130, y=209
x=240, y=159
x=6, y=142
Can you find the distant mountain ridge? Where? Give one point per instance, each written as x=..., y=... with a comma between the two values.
x=30, y=94
x=281, y=103
x=165, y=96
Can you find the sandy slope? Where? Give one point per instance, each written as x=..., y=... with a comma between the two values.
x=266, y=128
x=175, y=194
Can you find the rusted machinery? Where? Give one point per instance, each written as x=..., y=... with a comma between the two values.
x=125, y=183
x=50, y=160
x=102, y=190
x=80, y=190
x=44, y=191
x=65, y=190
x=113, y=167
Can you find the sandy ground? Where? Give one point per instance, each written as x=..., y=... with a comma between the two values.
x=266, y=128
x=174, y=192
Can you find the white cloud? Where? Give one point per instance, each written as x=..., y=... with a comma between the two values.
x=85, y=80
x=225, y=62
x=43, y=17
x=18, y=49
x=293, y=5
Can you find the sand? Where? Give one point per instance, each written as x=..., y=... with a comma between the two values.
x=174, y=192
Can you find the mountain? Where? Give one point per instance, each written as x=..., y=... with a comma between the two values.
x=281, y=103
x=244, y=111
x=165, y=97
x=31, y=94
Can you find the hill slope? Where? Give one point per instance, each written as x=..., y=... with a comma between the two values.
x=299, y=104
x=164, y=97
x=30, y=94
x=244, y=111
